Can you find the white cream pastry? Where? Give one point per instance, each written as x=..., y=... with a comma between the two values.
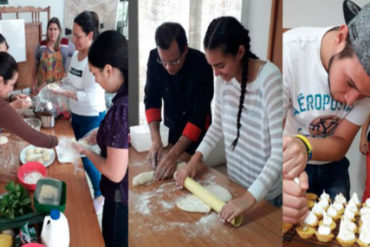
x=345, y=234
x=349, y=214
x=324, y=230
x=332, y=212
x=311, y=219
x=367, y=202
x=365, y=218
x=340, y=198
x=327, y=219
x=355, y=199
x=348, y=224
x=338, y=206
x=317, y=209
x=352, y=207
x=365, y=235
x=364, y=211
x=324, y=196
x=323, y=203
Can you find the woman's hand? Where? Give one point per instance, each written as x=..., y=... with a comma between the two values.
x=21, y=103
x=79, y=148
x=363, y=145
x=189, y=170
x=236, y=207
x=91, y=137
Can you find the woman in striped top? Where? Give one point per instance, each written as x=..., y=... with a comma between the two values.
x=248, y=116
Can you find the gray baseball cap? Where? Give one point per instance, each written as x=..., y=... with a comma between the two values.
x=358, y=22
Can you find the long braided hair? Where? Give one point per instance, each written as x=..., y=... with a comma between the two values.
x=228, y=34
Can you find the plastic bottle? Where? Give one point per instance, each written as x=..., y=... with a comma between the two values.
x=55, y=230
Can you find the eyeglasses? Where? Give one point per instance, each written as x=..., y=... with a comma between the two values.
x=174, y=62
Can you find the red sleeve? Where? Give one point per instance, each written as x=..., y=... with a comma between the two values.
x=192, y=132
x=153, y=114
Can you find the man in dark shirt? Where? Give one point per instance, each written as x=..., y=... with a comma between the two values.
x=182, y=78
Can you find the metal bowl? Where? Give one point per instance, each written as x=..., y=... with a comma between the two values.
x=48, y=121
x=34, y=123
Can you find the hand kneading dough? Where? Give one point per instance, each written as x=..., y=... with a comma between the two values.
x=191, y=203
x=3, y=140
x=146, y=177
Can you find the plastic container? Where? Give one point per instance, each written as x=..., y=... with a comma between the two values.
x=54, y=201
x=34, y=123
x=28, y=168
x=55, y=230
x=141, y=140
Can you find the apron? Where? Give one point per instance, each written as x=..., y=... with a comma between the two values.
x=50, y=68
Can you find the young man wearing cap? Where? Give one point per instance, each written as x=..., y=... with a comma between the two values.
x=326, y=88
x=182, y=78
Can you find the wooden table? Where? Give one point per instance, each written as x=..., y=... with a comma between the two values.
x=154, y=219
x=83, y=223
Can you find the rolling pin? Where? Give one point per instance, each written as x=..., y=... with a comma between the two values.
x=209, y=199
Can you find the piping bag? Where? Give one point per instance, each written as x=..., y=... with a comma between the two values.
x=208, y=198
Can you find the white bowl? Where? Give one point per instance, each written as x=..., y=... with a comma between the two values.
x=141, y=140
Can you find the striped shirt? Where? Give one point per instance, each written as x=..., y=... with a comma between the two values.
x=256, y=161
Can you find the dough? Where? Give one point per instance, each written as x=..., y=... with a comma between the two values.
x=146, y=177
x=46, y=156
x=28, y=99
x=191, y=203
x=3, y=140
x=40, y=160
x=45, y=152
x=37, y=150
x=30, y=151
x=143, y=178
x=30, y=157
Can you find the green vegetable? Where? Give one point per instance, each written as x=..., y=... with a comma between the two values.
x=16, y=202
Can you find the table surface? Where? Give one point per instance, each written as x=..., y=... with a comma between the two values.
x=83, y=223
x=154, y=219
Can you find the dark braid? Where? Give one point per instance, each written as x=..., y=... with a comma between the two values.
x=228, y=34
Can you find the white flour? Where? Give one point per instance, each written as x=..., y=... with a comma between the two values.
x=142, y=203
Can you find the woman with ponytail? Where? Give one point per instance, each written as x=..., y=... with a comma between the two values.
x=248, y=116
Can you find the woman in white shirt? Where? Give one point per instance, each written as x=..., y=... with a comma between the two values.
x=86, y=97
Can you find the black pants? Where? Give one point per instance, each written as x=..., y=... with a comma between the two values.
x=332, y=177
x=115, y=224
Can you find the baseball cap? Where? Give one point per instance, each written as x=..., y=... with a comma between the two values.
x=358, y=22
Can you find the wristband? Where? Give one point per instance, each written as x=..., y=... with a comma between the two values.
x=307, y=144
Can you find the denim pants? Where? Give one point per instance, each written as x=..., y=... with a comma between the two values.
x=81, y=126
x=332, y=177
x=115, y=224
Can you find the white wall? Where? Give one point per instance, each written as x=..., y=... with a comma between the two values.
x=256, y=18
x=56, y=9
x=317, y=13
x=328, y=13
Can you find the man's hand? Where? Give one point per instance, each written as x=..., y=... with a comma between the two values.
x=294, y=157
x=294, y=199
x=237, y=207
x=155, y=154
x=166, y=166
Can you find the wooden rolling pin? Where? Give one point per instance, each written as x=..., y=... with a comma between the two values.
x=209, y=199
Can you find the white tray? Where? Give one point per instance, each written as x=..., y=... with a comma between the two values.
x=45, y=163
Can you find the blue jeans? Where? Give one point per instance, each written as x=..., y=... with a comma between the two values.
x=81, y=126
x=332, y=177
x=115, y=224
